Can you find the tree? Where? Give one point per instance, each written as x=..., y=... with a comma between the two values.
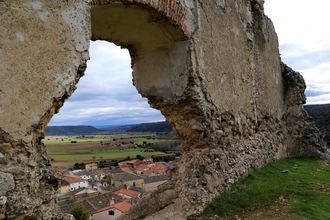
x=79, y=212
x=139, y=157
x=108, y=180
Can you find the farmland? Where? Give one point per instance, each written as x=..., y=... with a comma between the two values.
x=65, y=151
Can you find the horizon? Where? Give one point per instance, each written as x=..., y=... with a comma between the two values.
x=105, y=125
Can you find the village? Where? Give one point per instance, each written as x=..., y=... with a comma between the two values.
x=110, y=191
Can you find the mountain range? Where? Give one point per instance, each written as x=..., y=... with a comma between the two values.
x=90, y=130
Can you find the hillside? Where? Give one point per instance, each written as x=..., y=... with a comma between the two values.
x=162, y=126
x=321, y=115
x=90, y=130
x=294, y=188
x=151, y=127
x=71, y=130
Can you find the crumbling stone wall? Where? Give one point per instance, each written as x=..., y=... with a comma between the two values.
x=211, y=67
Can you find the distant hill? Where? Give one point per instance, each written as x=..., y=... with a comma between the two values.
x=71, y=130
x=151, y=127
x=162, y=126
x=90, y=130
x=321, y=115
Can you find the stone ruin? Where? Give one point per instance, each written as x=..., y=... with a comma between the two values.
x=212, y=67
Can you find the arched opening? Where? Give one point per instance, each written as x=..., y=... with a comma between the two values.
x=161, y=63
x=160, y=52
x=163, y=72
x=97, y=144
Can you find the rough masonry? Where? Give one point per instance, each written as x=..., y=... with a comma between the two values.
x=211, y=67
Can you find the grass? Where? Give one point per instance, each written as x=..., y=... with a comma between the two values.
x=87, y=155
x=140, y=141
x=58, y=140
x=307, y=183
x=67, y=140
x=87, y=148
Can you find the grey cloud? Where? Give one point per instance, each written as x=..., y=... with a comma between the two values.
x=106, y=95
x=303, y=59
x=313, y=93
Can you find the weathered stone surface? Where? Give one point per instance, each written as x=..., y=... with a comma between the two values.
x=302, y=131
x=212, y=68
x=6, y=183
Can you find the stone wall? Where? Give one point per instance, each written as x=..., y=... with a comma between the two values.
x=211, y=67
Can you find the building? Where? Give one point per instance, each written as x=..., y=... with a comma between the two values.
x=94, y=174
x=127, y=193
x=158, y=168
x=151, y=183
x=113, y=211
x=72, y=183
x=91, y=166
x=127, y=179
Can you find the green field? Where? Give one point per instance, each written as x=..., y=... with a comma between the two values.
x=304, y=182
x=87, y=155
x=67, y=140
x=90, y=148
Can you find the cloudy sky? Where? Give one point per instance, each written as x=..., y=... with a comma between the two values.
x=304, y=35
x=106, y=96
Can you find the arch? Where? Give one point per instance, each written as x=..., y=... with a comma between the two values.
x=211, y=67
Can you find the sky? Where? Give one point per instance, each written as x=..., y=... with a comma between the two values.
x=304, y=35
x=106, y=95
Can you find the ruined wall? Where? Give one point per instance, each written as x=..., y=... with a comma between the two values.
x=43, y=49
x=212, y=68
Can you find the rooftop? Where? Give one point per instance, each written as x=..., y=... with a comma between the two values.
x=153, y=179
x=128, y=192
x=102, y=200
x=121, y=206
x=125, y=177
x=72, y=179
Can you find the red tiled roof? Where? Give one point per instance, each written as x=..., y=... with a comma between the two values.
x=128, y=192
x=101, y=171
x=121, y=206
x=72, y=179
x=158, y=167
x=126, y=169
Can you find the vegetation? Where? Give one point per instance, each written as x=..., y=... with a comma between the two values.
x=79, y=166
x=145, y=141
x=137, y=139
x=79, y=212
x=305, y=181
x=66, y=151
x=71, y=130
x=56, y=140
x=90, y=130
x=151, y=127
x=321, y=115
x=87, y=155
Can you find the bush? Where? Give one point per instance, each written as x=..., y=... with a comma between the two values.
x=79, y=212
x=139, y=157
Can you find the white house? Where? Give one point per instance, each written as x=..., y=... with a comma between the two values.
x=112, y=212
x=97, y=174
x=75, y=182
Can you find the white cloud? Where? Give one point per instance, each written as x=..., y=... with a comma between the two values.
x=304, y=36
x=106, y=95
